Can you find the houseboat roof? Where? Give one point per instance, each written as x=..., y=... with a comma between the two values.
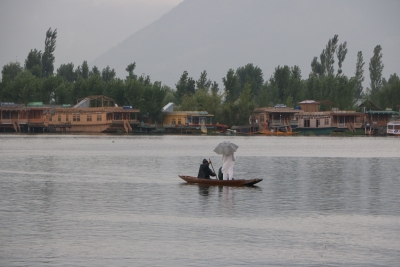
x=383, y=112
x=308, y=102
x=99, y=109
x=191, y=113
x=347, y=113
x=277, y=110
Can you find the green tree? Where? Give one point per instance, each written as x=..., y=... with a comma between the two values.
x=185, y=86
x=252, y=75
x=48, y=54
x=245, y=106
x=389, y=95
x=33, y=63
x=359, y=75
x=23, y=88
x=83, y=70
x=214, y=88
x=375, y=72
x=341, y=55
x=63, y=93
x=11, y=70
x=47, y=90
x=203, y=83
x=95, y=71
x=116, y=90
x=67, y=72
x=130, y=68
x=108, y=74
x=231, y=84
x=94, y=85
x=281, y=80
x=133, y=92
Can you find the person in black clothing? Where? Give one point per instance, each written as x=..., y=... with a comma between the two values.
x=204, y=171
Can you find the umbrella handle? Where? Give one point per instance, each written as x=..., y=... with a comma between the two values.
x=212, y=167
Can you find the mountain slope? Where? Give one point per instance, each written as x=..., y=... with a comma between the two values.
x=215, y=35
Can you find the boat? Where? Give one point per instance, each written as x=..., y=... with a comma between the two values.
x=239, y=182
x=393, y=128
x=279, y=130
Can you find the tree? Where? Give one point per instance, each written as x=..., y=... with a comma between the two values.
x=281, y=80
x=328, y=55
x=359, y=75
x=253, y=76
x=130, y=68
x=47, y=90
x=214, y=88
x=341, y=55
x=48, y=54
x=33, y=63
x=95, y=71
x=375, y=71
x=245, y=105
x=67, y=72
x=63, y=93
x=83, y=70
x=185, y=86
x=107, y=74
x=9, y=72
x=203, y=83
x=231, y=84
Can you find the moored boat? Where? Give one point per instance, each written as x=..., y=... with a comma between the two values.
x=239, y=182
x=393, y=128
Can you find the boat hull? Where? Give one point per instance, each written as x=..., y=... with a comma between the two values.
x=241, y=182
x=316, y=131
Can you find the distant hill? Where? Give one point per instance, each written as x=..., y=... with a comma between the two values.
x=216, y=35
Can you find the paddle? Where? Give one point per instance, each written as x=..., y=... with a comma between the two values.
x=216, y=175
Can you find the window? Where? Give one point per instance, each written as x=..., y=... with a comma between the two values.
x=89, y=117
x=50, y=118
x=98, y=117
x=326, y=121
x=66, y=117
x=173, y=121
x=306, y=122
x=179, y=122
x=76, y=117
x=261, y=118
x=59, y=117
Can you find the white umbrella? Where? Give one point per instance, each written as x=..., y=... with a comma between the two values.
x=225, y=148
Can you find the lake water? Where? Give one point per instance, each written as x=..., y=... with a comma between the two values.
x=117, y=200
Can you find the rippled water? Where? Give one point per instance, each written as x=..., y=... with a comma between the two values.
x=104, y=200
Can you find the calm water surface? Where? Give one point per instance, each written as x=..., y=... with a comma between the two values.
x=101, y=200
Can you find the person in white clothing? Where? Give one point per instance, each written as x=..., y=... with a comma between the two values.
x=228, y=162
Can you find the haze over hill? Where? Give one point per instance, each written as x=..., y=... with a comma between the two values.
x=218, y=35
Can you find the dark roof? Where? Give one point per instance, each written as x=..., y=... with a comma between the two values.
x=383, y=112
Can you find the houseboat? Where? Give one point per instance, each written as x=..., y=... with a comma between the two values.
x=379, y=119
x=267, y=117
x=92, y=114
x=186, y=121
x=393, y=128
x=313, y=121
x=348, y=120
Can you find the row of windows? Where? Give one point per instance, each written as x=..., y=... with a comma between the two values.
x=77, y=117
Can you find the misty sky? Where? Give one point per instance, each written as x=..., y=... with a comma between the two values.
x=86, y=28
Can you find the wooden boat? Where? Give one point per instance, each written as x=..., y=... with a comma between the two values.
x=280, y=130
x=241, y=182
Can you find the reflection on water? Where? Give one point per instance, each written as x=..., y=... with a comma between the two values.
x=117, y=201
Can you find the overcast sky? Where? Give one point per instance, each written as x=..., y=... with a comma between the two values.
x=89, y=28
x=86, y=28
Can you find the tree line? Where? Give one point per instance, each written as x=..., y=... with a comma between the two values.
x=243, y=89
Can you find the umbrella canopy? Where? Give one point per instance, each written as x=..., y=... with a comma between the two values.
x=225, y=148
